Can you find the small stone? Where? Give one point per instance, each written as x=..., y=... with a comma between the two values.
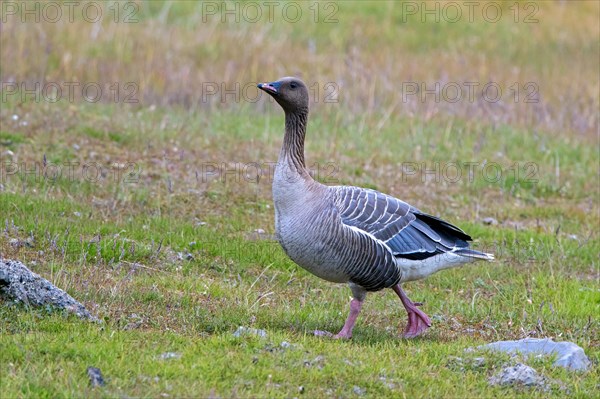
x=185, y=256
x=285, y=344
x=169, y=355
x=519, y=374
x=489, y=221
x=478, y=362
x=249, y=331
x=301, y=389
x=96, y=379
x=358, y=390
x=387, y=383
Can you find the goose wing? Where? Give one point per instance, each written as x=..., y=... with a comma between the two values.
x=408, y=232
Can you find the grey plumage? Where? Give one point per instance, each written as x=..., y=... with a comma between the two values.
x=354, y=235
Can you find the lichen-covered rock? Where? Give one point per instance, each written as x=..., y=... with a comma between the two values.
x=568, y=354
x=520, y=375
x=96, y=378
x=19, y=284
x=249, y=331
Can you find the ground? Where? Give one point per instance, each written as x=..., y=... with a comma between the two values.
x=152, y=204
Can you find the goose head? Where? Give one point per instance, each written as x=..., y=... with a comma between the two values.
x=289, y=92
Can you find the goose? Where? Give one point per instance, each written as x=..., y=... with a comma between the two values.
x=344, y=234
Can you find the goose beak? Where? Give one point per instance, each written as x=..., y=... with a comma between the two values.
x=271, y=88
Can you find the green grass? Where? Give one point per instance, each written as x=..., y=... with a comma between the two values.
x=162, y=245
x=122, y=249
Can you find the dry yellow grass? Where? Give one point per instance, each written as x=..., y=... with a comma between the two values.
x=374, y=56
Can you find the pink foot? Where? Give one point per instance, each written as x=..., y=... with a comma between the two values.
x=346, y=332
x=418, y=321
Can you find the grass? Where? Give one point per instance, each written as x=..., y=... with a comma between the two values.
x=153, y=221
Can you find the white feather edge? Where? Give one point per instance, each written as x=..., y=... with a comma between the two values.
x=418, y=269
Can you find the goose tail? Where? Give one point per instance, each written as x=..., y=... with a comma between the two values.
x=471, y=253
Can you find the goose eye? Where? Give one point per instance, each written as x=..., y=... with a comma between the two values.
x=293, y=85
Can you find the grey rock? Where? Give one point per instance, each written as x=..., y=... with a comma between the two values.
x=568, y=354
x=249, y=331
x=490, y=220
x=96, y=378
x=520, y=375
x=169, y=355
x=478, y=362
x=358, y=390
x=19, y=284
x=318, y=362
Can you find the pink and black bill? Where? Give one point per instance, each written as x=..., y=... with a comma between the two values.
x=271, y=88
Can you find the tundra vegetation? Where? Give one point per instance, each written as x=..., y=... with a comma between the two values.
x=136, y=174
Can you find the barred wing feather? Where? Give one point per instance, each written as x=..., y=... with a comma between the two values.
x=408, y=232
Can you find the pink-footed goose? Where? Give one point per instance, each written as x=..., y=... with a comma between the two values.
x=354, y=235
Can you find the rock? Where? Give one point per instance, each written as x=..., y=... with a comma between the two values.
x=19, y=284
x=318, y=361
x=169, y=355
x=285, y=344
x=490, y=221
x=249, y=331
x=96, y=378
x=568, y=354
x=358, y=390
x=478, y=361
x=185, y=255
x=521, y=375
x=387, y=382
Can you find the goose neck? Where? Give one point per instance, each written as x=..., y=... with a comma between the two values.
x=292, y=152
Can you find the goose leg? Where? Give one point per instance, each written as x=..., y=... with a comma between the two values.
x=418, y=321
x=346, y=331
